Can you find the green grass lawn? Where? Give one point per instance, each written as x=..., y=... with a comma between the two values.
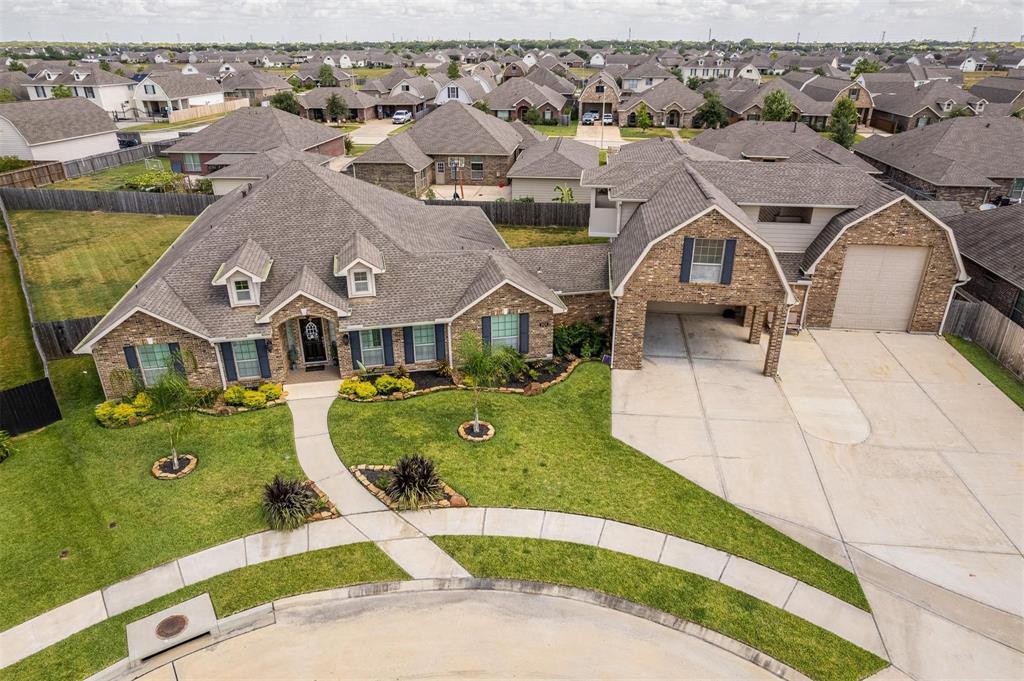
x=584, y=72
x=401, y=128
x=557, y=130
x=109, y=180
x=67, y=483
x=368, y=73
x=102, y=644
x=688, y=133
x=1000, y=376
x=347, y=127
x=79, y=264
x=150, y=127
x=19, y=361
x=524, y=236
x=602, y=157
x=629, y=133
x=857, y=137
x=360, y=149
x=812, y=650
x=555, y=451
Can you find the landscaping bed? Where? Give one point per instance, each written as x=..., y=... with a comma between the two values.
x=110, y=179
x=137, y=408
x=370, y=476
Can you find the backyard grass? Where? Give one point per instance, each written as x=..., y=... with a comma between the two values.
x=555, y=451
x=66, y=484
x=972, y=77
x=602, y=157
x=19, y=361
x=79, y=264
x=808, y=648
x=360, y=149
x=1000, y=376
x=150, y=127
x=638, y=134
x=584, y=72
x=401, y=128
x=368, y=73
x=524, y=236
x=688, y=133
x=102, y=644
x=557, y=130
x=109, y=180
x=857, y=137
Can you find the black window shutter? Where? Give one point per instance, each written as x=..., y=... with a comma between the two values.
x=264, y=358
x=357, y=349
x=684, y=268
x=131, y=357
x=524, y=333
x=439, y=342
x=229, y=361
x=730, y=255
x=179, y=365
x=389, y=349
x=409, y=341
x=485, y=330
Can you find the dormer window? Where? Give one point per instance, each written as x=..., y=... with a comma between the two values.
x=979, y=107
x=243, y=292
x=361, y=283
x=946, y=106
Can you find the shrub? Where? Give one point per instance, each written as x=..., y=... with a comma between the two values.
x=154, y=181
x=287, y=504
x=235, y=396
x=514, y=363
x=202, y=186
x=143, y=404
x=414, y=482
x=365, y=390
x=406, y=385
x=114, y=414
x=348, y=385
x=6, y=446
x=582, y=339
x=12, y=163
x=254, y=399
x=386, y=384
x=104, y=411
x=272, y=391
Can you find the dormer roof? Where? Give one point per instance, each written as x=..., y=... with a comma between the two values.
x=358, y=250
x=250, y=259
x=306, y=283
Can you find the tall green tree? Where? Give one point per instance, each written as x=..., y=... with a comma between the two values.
x=61, y=92
x=285, y=101
x=453, y=70
x=326, y=76
x=643, y=117
x=104, y=65
x=175, y=400
x=421, y=70
x=17, y=66
x=865, y=66
x=843, y=123
x=777, y=106
x=336, y=108
x=712, y=113
x=693, y=82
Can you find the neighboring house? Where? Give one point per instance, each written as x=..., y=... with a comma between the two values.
x=55, y=130
x=14, y=82
x=744, y=100
x=465, y=90
x=251, y=168
x=382, y=86
x=110, y=91
x=992, y=245
x=904, y=106
x=600, y=94
x=514, y=97
x=644, y=76
x=831, y=90
x=543, y=76
x=380, y=281
x=922, y=74
x=710, y=66
x=596, y=60
x=515, y=69
x=397, y=164
x=542, y=166
x=251, y=131
x=412, y=94
x=361, y=106
x=309, y=74
x=773, y=142
x=670, y=103
x=1000, y=90
x=966, y=159
x=828, y=249
x=256, y=86
x=165, y=91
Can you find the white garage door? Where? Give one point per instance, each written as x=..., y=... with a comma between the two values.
x=878, y=288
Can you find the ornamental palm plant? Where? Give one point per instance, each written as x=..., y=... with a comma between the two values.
x=483, y=367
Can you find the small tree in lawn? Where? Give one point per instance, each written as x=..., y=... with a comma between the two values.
x=777, y=106
x=531, y=116
x=711, y=114
x=643, y=117
x=326, y=76
x=563, y=194
x=843, y=125
x=693, y=82
x=421, y=70
x=865, y=66
x=482, y=367
x=335, y=108
x=285, y=101
x=61, y=92
x=453, y=70
x=175, y=400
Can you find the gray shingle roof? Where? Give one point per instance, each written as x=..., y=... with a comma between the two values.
x=790, y=184
x=358, y=248
x=176, y=84
x=255, y=129
x=904, y=99
x=264, y=164
x=663, y=94
x=999, y=89
x=740, y=96
x=250, y=257
x=568, y=269
x=558, y=158
x=400, y=149
x=544, y=76
x=515, y=90
x=648, y=69
x=529, y=134
x=994, y=239
x=455, y=128
x=92, y=74
x=49, y=120
x=251, y=79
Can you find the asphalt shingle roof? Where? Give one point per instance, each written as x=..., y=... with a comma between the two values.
x=557, y=158
x=568, y=269
x=177, y=85
x=256, y=129
x=994, y=239
x=455, y=128
x=400, y=149
x=515, y=90
x=264, y=164
x=50, y=120
x=663, y=94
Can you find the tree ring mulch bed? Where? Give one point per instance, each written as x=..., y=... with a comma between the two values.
x=485, y=433
x=164, y=468
x=368, y=475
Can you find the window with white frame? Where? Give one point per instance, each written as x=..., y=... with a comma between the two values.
x=505, y=331
x=1017, y=189
x=439, y=168
x=476, y=168
x=708, y=255
x=371, y=342
x=149, y=89
x=424, y=348
x=153, y=361
x=40, y=91
x=453, y=93
x=247, y=361
x=361, y=284
x=241, y=290
x=89, y=92
x=191, y=163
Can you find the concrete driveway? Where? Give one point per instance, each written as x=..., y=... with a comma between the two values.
x=599, y=135
x=373, y=131
x=887, y=452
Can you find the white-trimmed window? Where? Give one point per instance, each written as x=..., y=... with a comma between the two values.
x=242, y=292
x=708, y=256
x=424, y=347
x=505, y=331
x=453, y=92
x=360, y=283
x=153, y=361
x=371, y=343
x=149, y=89
x=476, y=168
x=191, y=163
x=1017, y=189
x=439, y=168
x=247, y=361
x=89, y=93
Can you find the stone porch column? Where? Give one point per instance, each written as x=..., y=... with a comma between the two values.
x=778, y=332
x=628, y=342
x=758, y=316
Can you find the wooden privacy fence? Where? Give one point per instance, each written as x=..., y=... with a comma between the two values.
x=113, y=159
x=28, y=406
x=59, y=338
x=989, y=328
x=188, y=114
x=522, y=213
x=42, y=173
x=18, y=198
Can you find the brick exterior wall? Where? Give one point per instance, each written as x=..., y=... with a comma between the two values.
x=659, y=117
x=495, y=170
x=585, y=307
x=510, y=300
x=967, y=197
x=289, y=314
x=108, y=352
x=986, y=286
x=755, y=282
x=394, y=176
x=178, y=164
x=332, y=148
x=590, y=100
x=898, y=225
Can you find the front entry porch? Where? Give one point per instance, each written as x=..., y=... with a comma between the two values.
x=312, y=349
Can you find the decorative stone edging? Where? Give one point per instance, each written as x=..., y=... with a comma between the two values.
x=159, y=474
x=528, y=391
x=466, y=434
x=357, y=472
x=331, y=511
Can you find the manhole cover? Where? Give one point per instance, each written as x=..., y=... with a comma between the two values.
x=171, y=626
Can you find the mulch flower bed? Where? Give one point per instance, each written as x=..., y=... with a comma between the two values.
x=221, y=409
x=329, y=510
x=164, y=469
x=368, y=475
x=485, y=433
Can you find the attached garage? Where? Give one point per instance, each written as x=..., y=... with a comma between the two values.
x=879, y=287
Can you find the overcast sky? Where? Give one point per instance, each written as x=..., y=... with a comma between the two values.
x=312, y=20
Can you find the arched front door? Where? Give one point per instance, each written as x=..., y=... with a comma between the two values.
x=520, y=112
x=312, y=340
x=673, y=119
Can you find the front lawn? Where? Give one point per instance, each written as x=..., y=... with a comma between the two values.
x=401, y=128
x=79, y=487
x=525, y=236
x=191, y=123
x=368, y=73
x=109, y=180
x=555, y=451
x=688, y=133
x=629, y=133
x=19, y=361
x=360, y=149
x=810, y=649
x=557, y=130
x=79, y=264
x=1000, y=376
x=103, y=644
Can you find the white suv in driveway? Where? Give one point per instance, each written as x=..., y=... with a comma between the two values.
x=607, y=119
x=401, y=116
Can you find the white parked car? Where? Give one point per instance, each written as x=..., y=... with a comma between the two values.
x=608, y=119
x=401, y=116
